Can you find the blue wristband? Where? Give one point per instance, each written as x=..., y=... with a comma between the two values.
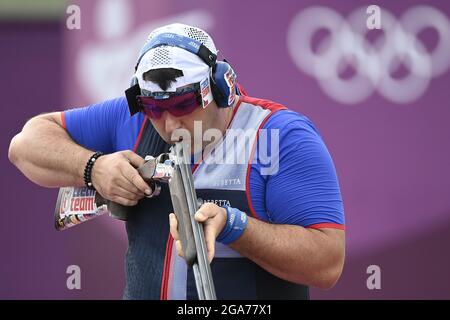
x=234, y=227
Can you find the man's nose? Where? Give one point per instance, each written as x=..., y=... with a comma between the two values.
x=171, y=122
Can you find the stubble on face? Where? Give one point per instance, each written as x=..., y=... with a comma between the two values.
x=209, y=117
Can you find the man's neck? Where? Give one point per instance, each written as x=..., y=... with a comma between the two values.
x=227, y=116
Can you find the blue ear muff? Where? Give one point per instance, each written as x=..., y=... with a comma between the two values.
x=224, y=84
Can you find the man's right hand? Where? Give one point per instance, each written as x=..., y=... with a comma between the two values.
x=116, y=178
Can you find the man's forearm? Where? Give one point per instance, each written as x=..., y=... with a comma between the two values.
x=306, y=256
x=47, y=155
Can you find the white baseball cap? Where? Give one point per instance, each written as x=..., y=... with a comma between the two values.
x=194, y=69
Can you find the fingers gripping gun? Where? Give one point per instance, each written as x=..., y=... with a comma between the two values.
x=76, y=205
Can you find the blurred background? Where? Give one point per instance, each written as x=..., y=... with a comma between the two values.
x=378, y=97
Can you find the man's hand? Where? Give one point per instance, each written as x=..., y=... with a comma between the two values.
x=115, y=177
x=213, y=218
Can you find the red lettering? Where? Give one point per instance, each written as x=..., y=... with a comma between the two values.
x=90, y=204
x=82, y=204
x=76, y=204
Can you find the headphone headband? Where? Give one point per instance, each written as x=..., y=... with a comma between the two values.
x=180, y=41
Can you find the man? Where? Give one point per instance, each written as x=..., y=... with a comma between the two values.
x=278, y=229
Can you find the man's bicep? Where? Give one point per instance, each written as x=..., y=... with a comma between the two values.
x=56, y=117
x=336, y=236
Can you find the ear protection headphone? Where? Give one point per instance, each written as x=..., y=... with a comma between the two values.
x=222, y=78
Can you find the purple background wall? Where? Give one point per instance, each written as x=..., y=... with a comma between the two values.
x=392, y=159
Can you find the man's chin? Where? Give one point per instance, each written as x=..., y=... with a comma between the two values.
x=194, y=148
x=172, y=141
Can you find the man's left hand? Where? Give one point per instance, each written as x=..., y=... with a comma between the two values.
x=213, y=218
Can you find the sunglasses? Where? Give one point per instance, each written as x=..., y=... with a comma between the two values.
x=177, y=105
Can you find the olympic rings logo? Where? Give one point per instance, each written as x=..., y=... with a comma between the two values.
x=373, y=62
